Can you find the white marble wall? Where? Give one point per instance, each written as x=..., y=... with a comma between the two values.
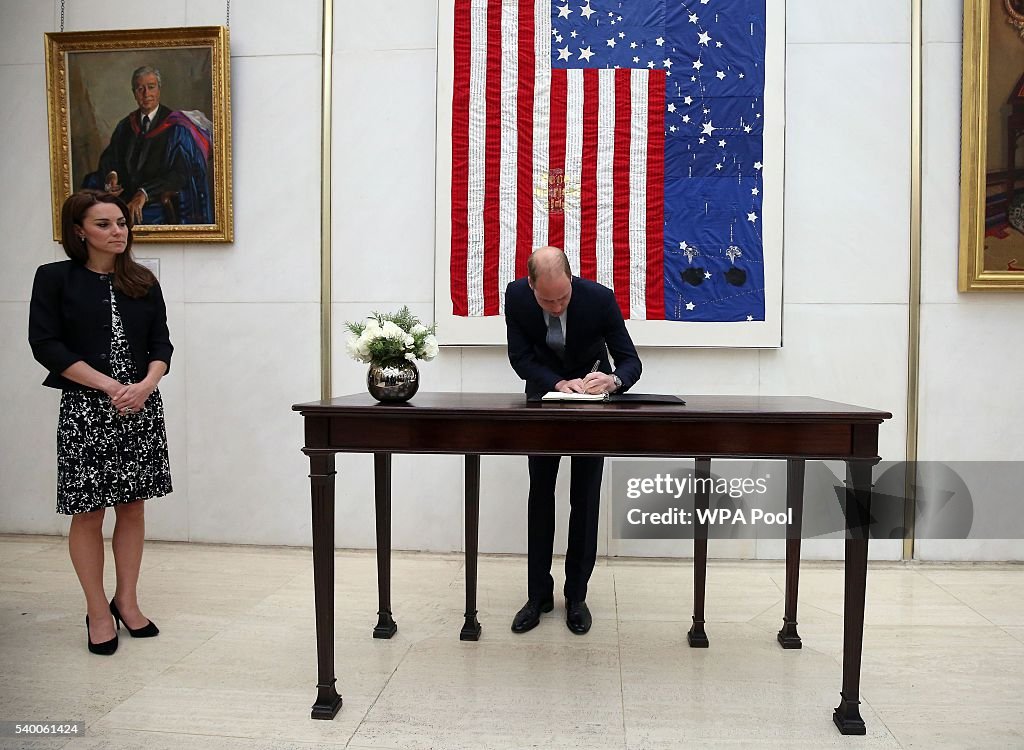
x=245, y=317
x=970, y=363
x=28, y=413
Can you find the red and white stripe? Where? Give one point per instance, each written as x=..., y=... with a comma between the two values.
x=541, y=119
x=517, y=127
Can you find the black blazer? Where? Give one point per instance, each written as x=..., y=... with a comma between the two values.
x=69, y=321
x=594, y=327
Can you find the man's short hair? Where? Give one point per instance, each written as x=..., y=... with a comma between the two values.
x=536, y=269
x=146, y=70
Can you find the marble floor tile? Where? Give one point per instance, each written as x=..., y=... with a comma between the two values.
x=896, y=595
x=21, y=743
x=278, y=715
x=972, y=573
x=974, y=727
x=235, y=664
x=32, y=577
x=1015, y=632
x=120, y=739
x=999, y=602
x=942, y=666
x=454, y=695
x=15, y=547
x=732, y=594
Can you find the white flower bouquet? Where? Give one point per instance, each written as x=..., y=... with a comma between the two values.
x=391, y=336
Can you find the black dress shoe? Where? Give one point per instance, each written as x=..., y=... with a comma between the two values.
x=529, y=616
x=577, y=617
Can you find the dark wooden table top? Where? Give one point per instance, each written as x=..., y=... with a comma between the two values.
x=697, y=408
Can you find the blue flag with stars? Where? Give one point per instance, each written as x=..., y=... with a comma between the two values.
x=712, y=56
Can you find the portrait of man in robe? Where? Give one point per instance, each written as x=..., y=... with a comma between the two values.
x=140, y=128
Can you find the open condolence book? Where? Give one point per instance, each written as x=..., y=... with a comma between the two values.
x=635, y=398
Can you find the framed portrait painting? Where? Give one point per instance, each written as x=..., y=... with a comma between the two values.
x=145, y=114
x=992, y=162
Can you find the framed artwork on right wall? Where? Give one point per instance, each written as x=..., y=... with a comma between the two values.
x=992, y=147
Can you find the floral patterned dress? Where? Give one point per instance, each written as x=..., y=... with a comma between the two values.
x=105, y=458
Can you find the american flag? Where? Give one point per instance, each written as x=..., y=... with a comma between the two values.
x=628, y=133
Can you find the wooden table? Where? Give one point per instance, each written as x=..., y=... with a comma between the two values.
x=707, y=427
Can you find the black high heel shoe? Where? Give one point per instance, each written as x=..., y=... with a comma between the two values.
x=146, y=631
x=103, y=649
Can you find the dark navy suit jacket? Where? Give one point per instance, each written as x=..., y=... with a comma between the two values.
x=594, y=328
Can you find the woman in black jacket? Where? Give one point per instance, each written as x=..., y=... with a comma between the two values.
x=98, y=323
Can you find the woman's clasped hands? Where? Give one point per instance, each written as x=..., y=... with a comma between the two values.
x=129, y=399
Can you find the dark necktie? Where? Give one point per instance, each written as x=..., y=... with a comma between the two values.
x=555, y=338
x=133, y=152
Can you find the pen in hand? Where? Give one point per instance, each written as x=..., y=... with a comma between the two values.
x=597, y=364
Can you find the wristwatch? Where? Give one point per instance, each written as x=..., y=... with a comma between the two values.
x=618, y=382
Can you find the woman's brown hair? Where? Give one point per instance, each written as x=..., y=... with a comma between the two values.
x=130, y=277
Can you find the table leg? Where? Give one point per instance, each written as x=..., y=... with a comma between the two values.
x=788, y=636
x=471, y=628
x=321, y=480
x=858, y=512
x=696, y=637
x=386, y=625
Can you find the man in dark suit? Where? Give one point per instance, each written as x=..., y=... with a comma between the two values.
x=559, y=327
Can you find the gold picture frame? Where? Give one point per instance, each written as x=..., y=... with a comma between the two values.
x=175, y=165
x=991, y=183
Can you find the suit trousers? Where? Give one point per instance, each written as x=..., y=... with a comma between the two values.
x=584, y=513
